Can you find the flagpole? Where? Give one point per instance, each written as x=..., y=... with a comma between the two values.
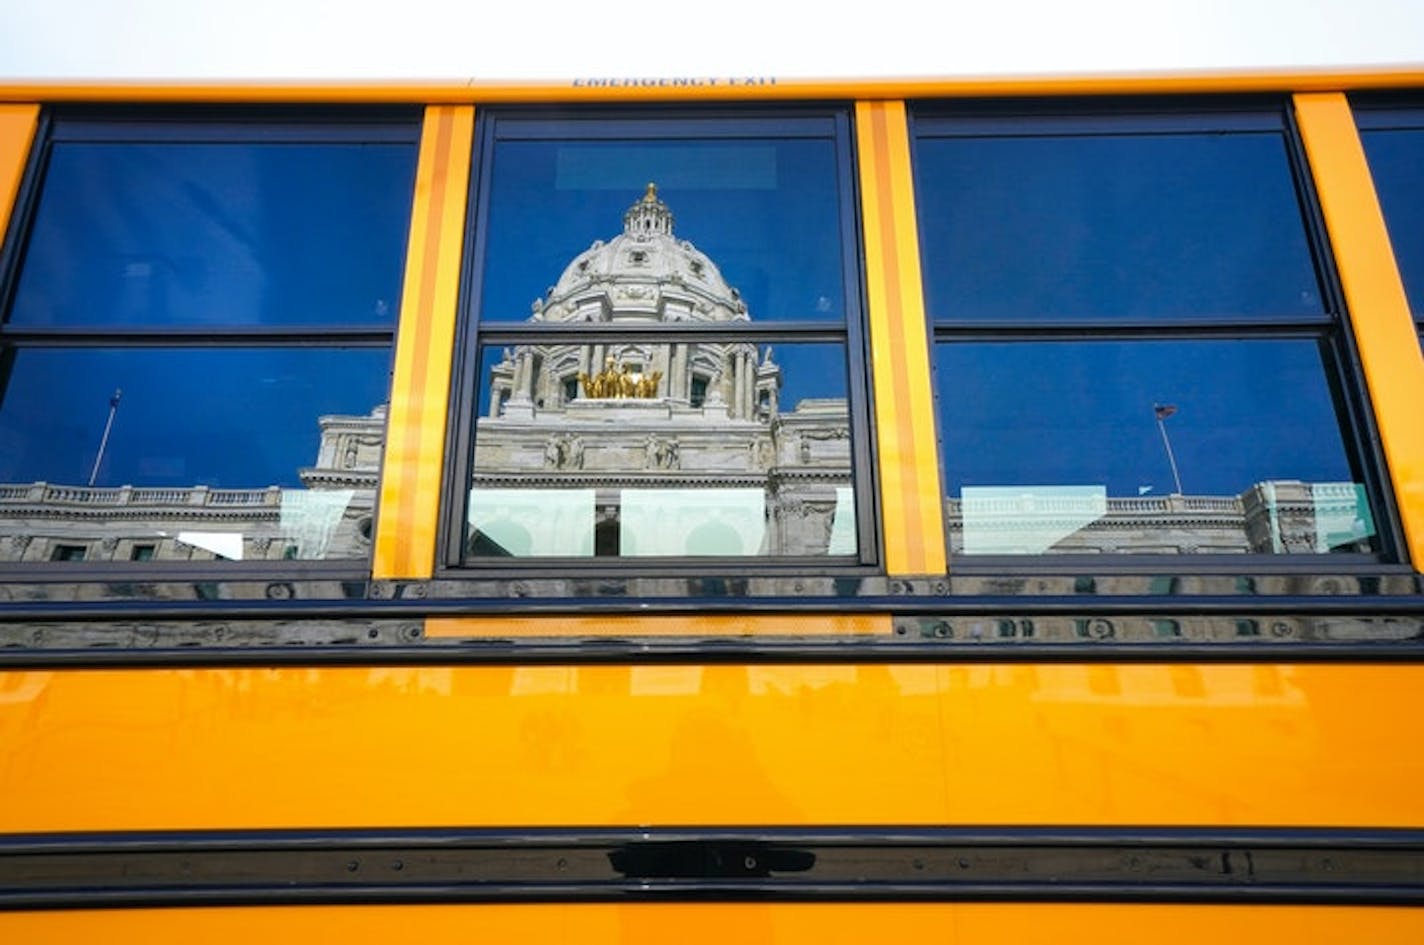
x=1167, y=442
x=104, y=440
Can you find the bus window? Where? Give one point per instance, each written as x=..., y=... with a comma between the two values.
x=198, y=341
x=686, y=382
x=1101, y=285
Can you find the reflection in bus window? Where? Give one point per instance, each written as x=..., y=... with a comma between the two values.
x=1112, y=228
x=171, y=390
x=1145, y=447
x=601, y=445
x=208, y=454
x=217, y=234
x=1157, y=417
x=762, y=212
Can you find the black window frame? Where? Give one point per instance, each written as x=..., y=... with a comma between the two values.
x=572, y=122
x=1331, y=330
x=186, y=124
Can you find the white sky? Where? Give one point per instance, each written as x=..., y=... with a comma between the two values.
x=564, y=39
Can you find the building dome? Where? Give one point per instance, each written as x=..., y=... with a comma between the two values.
x=645, y=274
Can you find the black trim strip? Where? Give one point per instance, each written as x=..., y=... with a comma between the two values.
x=1187, y=605
x=671, y=651
x=937, y=630
x=682, y=864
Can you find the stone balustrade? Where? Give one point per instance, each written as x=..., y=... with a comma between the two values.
x=47, y=494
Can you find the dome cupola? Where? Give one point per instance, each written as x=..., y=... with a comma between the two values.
x=648, y=217
x=644, y=274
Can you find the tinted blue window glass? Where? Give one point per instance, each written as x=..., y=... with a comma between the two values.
x=669, y=377
x=1112, y=228
x=1145, y=446
x=218, y=234
x=1397, y=165
x=766, y=210
x=225, y=418
x=190, y=455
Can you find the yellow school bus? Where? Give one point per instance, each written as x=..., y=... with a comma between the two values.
x=722, y=508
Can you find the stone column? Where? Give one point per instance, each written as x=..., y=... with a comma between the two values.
x=739, y=397
x=672, y=381
x=748, y=384
x=521, y=372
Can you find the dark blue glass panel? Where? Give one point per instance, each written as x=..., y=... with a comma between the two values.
x=765, y=211
x=1397, y=165
x=218, y=234
x=1189, y=226
x=225, y=418
x=1075, y=429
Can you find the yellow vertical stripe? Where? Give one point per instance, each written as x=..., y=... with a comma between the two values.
x=415, y=436
x=899, y=346
x=1374, y=293
x=17, y=130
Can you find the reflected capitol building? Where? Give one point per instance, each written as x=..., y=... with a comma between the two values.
x=634, y=448
x=654, y=448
